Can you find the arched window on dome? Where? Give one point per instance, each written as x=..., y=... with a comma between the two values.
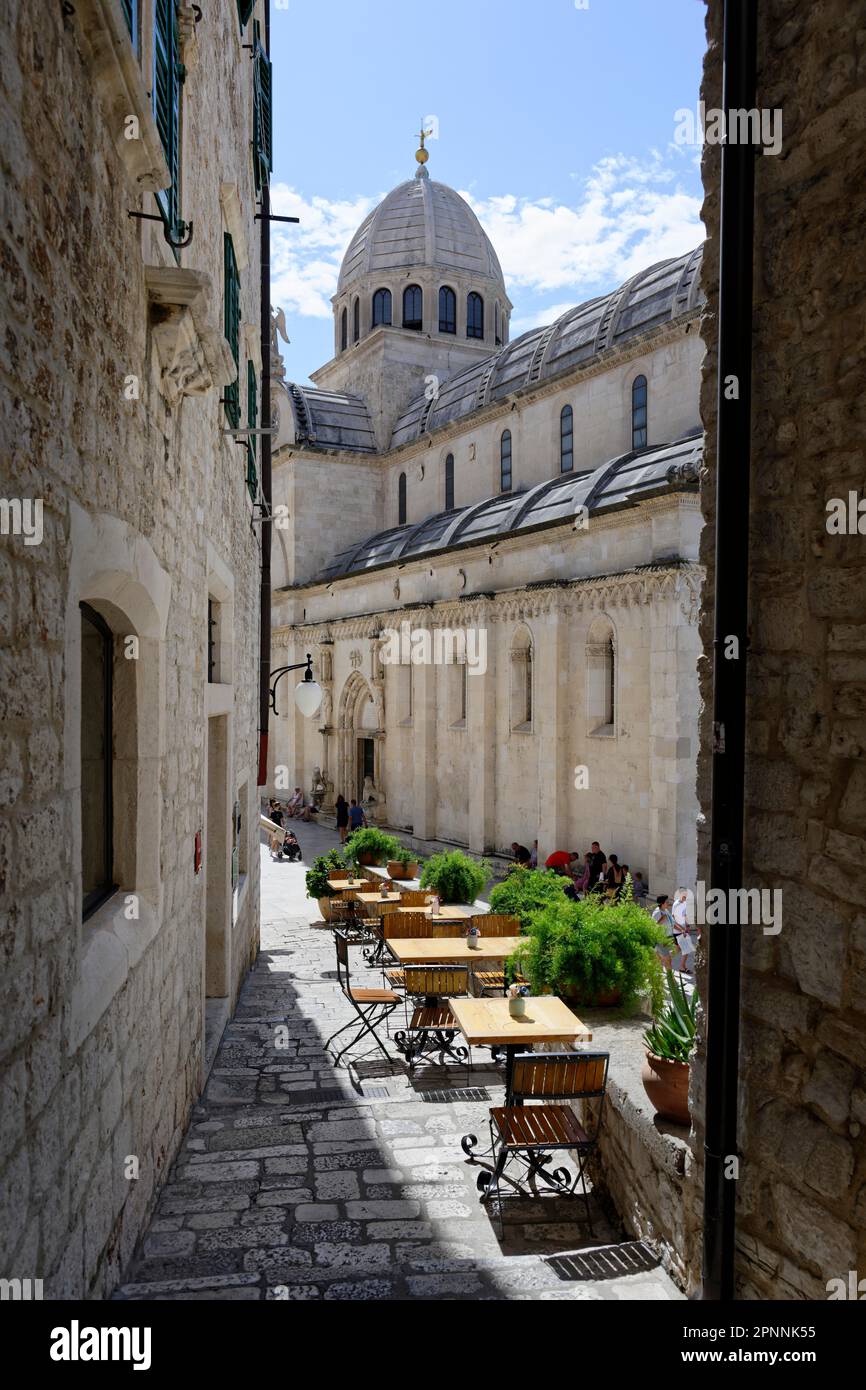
x=344, y=330
x=497, y=334
x=413, y=307
x=447, y=310
x=449, y=483
x=505, y=461
x=474, y=316
x=566, y=439
x=381, y=307
x=639, y=413
x=356, y=320
x=401, y=500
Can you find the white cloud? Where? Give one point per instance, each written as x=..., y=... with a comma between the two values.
x=631, y=213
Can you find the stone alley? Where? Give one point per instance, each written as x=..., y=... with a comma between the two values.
x=299, y=1180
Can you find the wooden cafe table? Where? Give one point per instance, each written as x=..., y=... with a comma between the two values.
x=378, y=904
x=341, y=884
x=452, y=913
x=487, y=1023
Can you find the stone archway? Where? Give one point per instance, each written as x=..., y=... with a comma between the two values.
x=360, y=745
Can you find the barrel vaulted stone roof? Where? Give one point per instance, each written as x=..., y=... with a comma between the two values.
x=622, y=482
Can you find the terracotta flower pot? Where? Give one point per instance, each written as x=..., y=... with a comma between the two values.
x=325, y=909
x=367, y=857
x=595, y=1001
x=401, y=871
x=667, y=1085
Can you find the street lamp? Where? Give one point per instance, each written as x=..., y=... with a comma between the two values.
x=308, y=692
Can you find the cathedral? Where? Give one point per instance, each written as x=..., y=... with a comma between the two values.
x=489, y=547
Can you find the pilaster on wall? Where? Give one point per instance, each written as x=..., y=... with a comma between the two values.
x=481, y=730
x=426, y=783
x=549, y=695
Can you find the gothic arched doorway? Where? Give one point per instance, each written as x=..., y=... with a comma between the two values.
x=360, y=738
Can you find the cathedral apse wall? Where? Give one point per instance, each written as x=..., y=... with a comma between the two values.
x=801, y=1197
x=115, y=364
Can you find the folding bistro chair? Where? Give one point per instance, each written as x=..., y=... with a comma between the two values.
x=531, y=1133
x=372, y=1006
x=496, y=924
x=432, y=1027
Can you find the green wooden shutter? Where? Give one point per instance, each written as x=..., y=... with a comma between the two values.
x=245, y=9
x=167, y=78
x=252, y=420
x=262, y=113
x=130, y=14
x=232, y=325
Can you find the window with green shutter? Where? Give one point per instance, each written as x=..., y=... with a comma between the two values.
x=232, y=325
x=252, y=420
x=168, y=74
x=262, y=112
x=245, y=9
x=130, y=14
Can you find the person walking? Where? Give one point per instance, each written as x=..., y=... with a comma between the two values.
x=663, y=916
x=342, y=817
x=356, y=815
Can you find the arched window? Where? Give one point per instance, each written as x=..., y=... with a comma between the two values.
x=474, y=316
x=344, y=330
x=497, y=335
x=449, y=483
x=600, y=678
x=447, y=310
x=401, y=500
x=505, y=461
x=356, y=320
x=413, y=307
x=638, y=413
x=521, y=680
x=566, y=439
x=381, y=307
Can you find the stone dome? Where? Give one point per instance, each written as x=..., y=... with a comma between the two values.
x=420, y=224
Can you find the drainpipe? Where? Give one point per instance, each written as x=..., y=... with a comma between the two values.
x=733, y=448
x=265, y=596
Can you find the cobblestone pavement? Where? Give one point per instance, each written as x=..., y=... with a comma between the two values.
x=300, y=1180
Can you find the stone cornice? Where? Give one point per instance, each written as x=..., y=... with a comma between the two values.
x=676, y=579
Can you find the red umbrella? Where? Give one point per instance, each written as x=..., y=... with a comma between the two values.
x=558, y=859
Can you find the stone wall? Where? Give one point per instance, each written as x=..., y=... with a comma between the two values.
x=144, y=500
x=801, y=1198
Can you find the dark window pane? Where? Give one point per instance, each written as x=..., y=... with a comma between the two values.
x=356, y=320
x=381, y=307
x=96, y=811
x=475, y=316
x=449, y=483
x=505, y=462
x=447, y=310
x=344, y=331
x=401, y=500
x=639, y=413
x=413, y=309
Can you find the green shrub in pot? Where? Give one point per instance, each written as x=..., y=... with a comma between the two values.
x=454, y=876
x=321, y=869
x=591, y=950
x=521, y=894
x=370, y=845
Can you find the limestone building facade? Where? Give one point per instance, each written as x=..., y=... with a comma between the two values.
x=129, y=646
x=532, y=503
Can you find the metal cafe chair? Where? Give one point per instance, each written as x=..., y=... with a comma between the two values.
x=414, y=926
x=531, y=1133
x=432, y=1027
x=495, y=924
x=372, y=1006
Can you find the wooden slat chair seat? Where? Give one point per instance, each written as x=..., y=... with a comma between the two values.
x=372, y=1006
x=531, y=1131
x=431, y=1029
x=496, y=924
x=494, y=981
x=413, y=897
x=396, y=978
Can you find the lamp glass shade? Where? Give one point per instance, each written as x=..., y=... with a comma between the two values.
x=308, y=697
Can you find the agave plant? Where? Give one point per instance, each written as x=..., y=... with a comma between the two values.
x=672, y=1035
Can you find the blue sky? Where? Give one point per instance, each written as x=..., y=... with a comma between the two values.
x=556, y=122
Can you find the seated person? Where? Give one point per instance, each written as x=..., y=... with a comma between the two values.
x=296, y=801
x=521, y=854
x=308, y=812
x=640, y=888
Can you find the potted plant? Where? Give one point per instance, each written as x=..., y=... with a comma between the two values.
x=454, y=877
x=317, y=876
x=370, y=845
x=593, y=952
x=404, y=864
x=521, y=894
x=669, y=1043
